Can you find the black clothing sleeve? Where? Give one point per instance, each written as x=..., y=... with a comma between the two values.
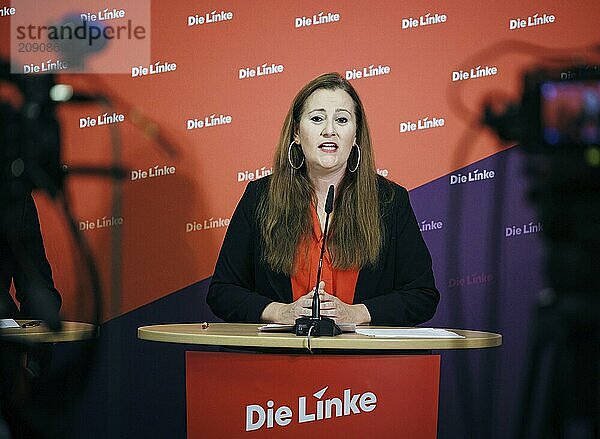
x=232, y=294
x=23, y=261
x=407, y=294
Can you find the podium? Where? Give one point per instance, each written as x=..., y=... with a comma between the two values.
x=70, y=331
x=270, y=385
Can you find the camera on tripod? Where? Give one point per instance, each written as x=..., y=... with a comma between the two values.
x=557, y=124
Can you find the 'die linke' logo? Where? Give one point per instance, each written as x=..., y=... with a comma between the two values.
x=257, y=416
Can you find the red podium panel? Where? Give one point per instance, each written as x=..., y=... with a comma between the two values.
x=233, y=395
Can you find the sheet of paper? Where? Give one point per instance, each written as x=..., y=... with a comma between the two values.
x=8, y=323
x=408, y=333
x=277, y=327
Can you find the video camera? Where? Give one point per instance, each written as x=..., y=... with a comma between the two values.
x=559, y=112
x=29, y=137
x=557, y=123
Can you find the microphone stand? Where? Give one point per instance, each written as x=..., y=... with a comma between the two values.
x=317, y=325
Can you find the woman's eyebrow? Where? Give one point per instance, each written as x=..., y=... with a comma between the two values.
x=323, y=109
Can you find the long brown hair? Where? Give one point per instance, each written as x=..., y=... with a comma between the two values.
x=356, y=234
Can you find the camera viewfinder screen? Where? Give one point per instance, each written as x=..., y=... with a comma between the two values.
x=570, y=112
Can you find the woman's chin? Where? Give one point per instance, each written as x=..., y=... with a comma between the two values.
x=326, y=168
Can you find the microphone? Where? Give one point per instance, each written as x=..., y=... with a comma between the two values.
x=316, y=305
x=316, y=324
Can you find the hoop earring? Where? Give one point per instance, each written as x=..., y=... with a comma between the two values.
x=358, y=160
x=290, y=158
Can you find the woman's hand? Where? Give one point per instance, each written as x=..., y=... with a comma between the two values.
x=331, y=307
x=287, y=313
x=342, y=312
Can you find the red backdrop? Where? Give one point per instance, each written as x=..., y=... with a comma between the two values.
x=159, y=253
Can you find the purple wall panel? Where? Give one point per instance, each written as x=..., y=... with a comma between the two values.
x=488, y=274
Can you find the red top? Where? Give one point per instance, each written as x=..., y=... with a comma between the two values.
x=339, y=283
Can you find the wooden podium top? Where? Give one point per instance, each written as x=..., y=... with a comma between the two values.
x=247, y=335
x=71, y=331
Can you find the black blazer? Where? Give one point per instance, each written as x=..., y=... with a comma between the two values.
x=31, y=272
x=399, y=291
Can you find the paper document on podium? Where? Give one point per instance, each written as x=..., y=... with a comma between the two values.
x=8, y=323
x=408, y=333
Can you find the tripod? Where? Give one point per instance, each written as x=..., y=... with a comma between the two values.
x=560, y=398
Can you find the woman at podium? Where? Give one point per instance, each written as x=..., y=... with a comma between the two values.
x=376, y=268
